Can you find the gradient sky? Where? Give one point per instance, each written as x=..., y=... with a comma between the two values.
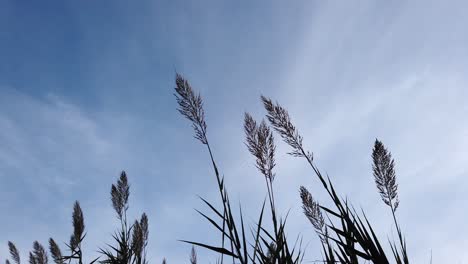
x=86, y=90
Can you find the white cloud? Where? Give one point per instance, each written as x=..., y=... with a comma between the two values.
x=347, y=72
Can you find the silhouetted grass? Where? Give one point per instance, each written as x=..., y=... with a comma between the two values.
x=346, y=235
x=267, y=246
x=130, y=240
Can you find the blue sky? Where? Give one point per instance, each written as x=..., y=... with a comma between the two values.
x=86, y=90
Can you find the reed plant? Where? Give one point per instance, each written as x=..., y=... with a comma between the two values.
x=267, y=246
x=130, y=240
x=346, y=235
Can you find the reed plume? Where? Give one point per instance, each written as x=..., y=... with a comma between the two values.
x=137, y=241
x=144, y=227
x=383, y=168
x=281, y=122
x=260, y=143
x=38, y=255
x=119, y=195
x=353, y=229
x=140, y=239
x=131, y=239
x=193, y=256
x=312, y=211
x=14, y=253
x=55, y=252
x=78, y=226
x=191, y=106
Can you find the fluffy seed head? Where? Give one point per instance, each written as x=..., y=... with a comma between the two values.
x=55, y=252
x=260, y=143
x=144, y=227
x=383, y=168
x=137, y=239
x=191, y=106
x=39, y=255
x=119, y=195
x=14, y=253
x=78, y=225
x=193, y=256
x=281, y=122
x=312, y=210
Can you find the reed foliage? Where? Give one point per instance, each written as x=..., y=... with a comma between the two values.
x=130, y=240
x=346, y=235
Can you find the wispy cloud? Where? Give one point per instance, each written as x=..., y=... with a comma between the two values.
x=96, y=98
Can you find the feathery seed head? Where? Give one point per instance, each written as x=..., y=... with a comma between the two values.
x=78, y=224
x=193, y=256
x=144, y=227
x=191, y=106
x=119, y=195
x=55, y=252
x=32, y=259
x=383, y=168
x=312, y=210
x=14, y=253
x=137, y=239
x=281, y=122
x=260, y=143
x=39, y=255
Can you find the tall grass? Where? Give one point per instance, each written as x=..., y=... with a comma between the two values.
x=346, y=235
x=267, y=246
x=130, y=241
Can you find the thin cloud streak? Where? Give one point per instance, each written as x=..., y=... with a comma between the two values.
x=347, y=73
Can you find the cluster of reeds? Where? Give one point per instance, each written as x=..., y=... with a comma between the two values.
x=130, y=240
x=269, y=246
x=346, y=235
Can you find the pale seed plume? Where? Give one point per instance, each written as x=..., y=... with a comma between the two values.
x=119, y=195
x=55, y=252
x=193, y=256
x=14, y=253
x=281, y=122
x=191, y=106
x=38, y=255
x=78, y=226
x=260, y=143
x=383, y=168
x=312, y=210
